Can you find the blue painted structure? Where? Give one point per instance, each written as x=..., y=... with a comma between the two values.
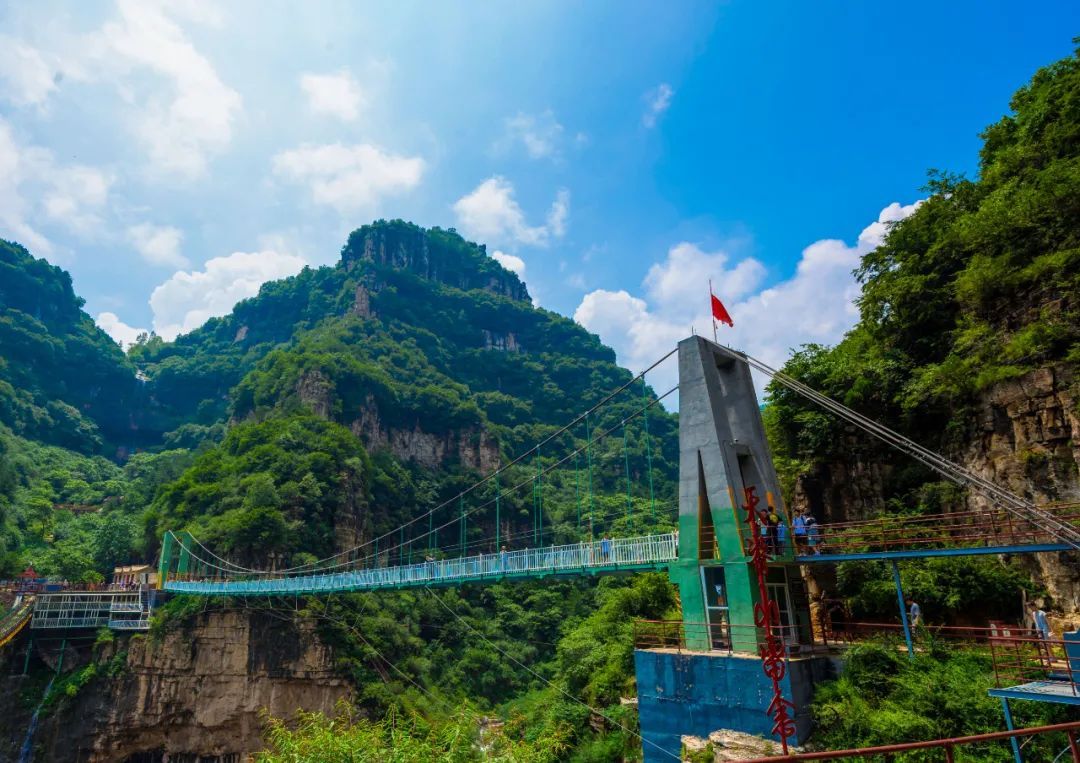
x=903, y=608
x=696, y=693
x=926, y=553
x=602, y=557
x=1057, y=688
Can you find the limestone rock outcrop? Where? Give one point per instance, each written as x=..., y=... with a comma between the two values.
x=1024, y=435
x=197, y=693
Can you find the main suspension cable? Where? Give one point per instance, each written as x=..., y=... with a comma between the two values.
x=954, y=472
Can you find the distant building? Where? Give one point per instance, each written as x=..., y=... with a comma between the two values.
x=135, y=575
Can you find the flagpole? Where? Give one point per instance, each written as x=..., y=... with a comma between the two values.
x=715, y=340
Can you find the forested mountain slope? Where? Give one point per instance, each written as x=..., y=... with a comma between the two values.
x=969, y=335
x=329, y=409
x=413, y=366
x=62, y=379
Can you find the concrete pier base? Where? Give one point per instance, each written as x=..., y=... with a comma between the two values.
x=682, y=693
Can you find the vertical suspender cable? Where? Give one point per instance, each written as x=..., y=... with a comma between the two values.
x=461, y=506
x=577, y=488
x=626, y=469
x=648, y=451
x=538, y=506
x=588, y=455
x=498, y=512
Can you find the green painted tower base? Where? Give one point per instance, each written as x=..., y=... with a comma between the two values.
x=716, y=676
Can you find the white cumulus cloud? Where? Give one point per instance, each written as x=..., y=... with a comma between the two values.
x=511, y=262
x=76, y=194
x=35, y=190
x=349, y=178
x=16, y=166
x=158, y=244
x=111, y=324
x=491, y=214
x=541, y=134
x=657, y=102
x=188, y=299
x=191, y=118
x=27, y=79
x=815, y=304
x=338, y=95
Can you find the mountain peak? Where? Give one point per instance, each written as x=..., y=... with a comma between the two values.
x=434, y=254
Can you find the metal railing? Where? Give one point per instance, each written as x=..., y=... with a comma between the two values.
x=90, y=609
x=949, y=747
x=14, y=621
x=675, y=635
x=1017, y=655
x=1022, y=659
x=847, y=632
x=963, y=529
x=601, y=555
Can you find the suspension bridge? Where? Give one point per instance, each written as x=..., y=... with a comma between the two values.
x=739, y=594
x=1009, y=524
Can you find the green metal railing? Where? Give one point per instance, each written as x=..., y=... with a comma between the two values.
x=605, y=555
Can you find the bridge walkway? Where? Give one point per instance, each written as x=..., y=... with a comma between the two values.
x=14, y=620
x=599, y=557
x=966, y=533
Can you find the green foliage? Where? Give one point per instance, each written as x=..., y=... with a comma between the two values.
x=67, y=687
x=62, y=379
x=882, y=697
x=596, y=658
x=317, y=738
x=67, y=514
x=976, y=287
x=279, y=485
x=964, y=589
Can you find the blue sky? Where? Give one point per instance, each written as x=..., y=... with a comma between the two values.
x=172, y=157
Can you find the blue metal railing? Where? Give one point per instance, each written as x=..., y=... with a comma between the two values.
x=601, y=555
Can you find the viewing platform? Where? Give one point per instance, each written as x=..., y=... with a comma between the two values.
x=962, y=533
x=118, y=610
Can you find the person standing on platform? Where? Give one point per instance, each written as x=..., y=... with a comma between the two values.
x=773, y=522
x=813, y=533
x=1042, y=630
x=798, y=531
x=915, y=618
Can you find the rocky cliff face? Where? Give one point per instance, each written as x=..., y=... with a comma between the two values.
x=1029, y=441
x=197, y=694
x=404, y=246
x=1025, y=436
x=471, y=448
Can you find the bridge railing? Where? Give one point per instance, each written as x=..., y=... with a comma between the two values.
x=1022, y=659
x=1063, y=734
x=90, y=609
x=605, y=553
x=989, y=528
x=1018, y=656
x=677, y=636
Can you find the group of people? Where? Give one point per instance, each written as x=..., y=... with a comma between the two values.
x=804, y=531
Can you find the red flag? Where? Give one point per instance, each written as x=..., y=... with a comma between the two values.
x=719, y=312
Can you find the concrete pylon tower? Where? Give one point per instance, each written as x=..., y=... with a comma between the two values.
x=722, y=452
x=715, y=680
